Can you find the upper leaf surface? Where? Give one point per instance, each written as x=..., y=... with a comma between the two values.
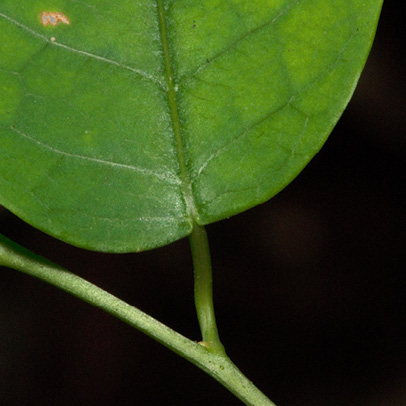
x=120, y=129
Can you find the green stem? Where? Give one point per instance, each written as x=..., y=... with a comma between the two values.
x=203, y=288
x=216, y=364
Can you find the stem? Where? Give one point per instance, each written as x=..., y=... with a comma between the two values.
x=199, y=245
x=216, y=364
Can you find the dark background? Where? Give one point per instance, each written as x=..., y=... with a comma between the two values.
x=309, y=287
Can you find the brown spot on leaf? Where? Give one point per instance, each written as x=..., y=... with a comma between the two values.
x=53, y=18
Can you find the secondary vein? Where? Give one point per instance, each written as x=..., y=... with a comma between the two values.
x=173, y=106
x=165, y=177
x=83, y=53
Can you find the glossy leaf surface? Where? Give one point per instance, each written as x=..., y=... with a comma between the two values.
x=126, y=122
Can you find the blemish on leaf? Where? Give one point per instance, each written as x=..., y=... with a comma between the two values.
x=53, y=18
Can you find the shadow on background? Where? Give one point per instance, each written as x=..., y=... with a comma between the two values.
x=309, y=287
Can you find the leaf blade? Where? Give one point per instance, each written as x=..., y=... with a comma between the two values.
x=114, y=141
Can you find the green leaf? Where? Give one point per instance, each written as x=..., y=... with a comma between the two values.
x=122, y=128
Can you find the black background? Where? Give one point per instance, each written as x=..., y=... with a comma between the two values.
x=309, y=287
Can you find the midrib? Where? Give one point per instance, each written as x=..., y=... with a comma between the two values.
x=173, y=106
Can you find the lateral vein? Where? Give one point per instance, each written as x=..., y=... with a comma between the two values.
x=84, y=53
